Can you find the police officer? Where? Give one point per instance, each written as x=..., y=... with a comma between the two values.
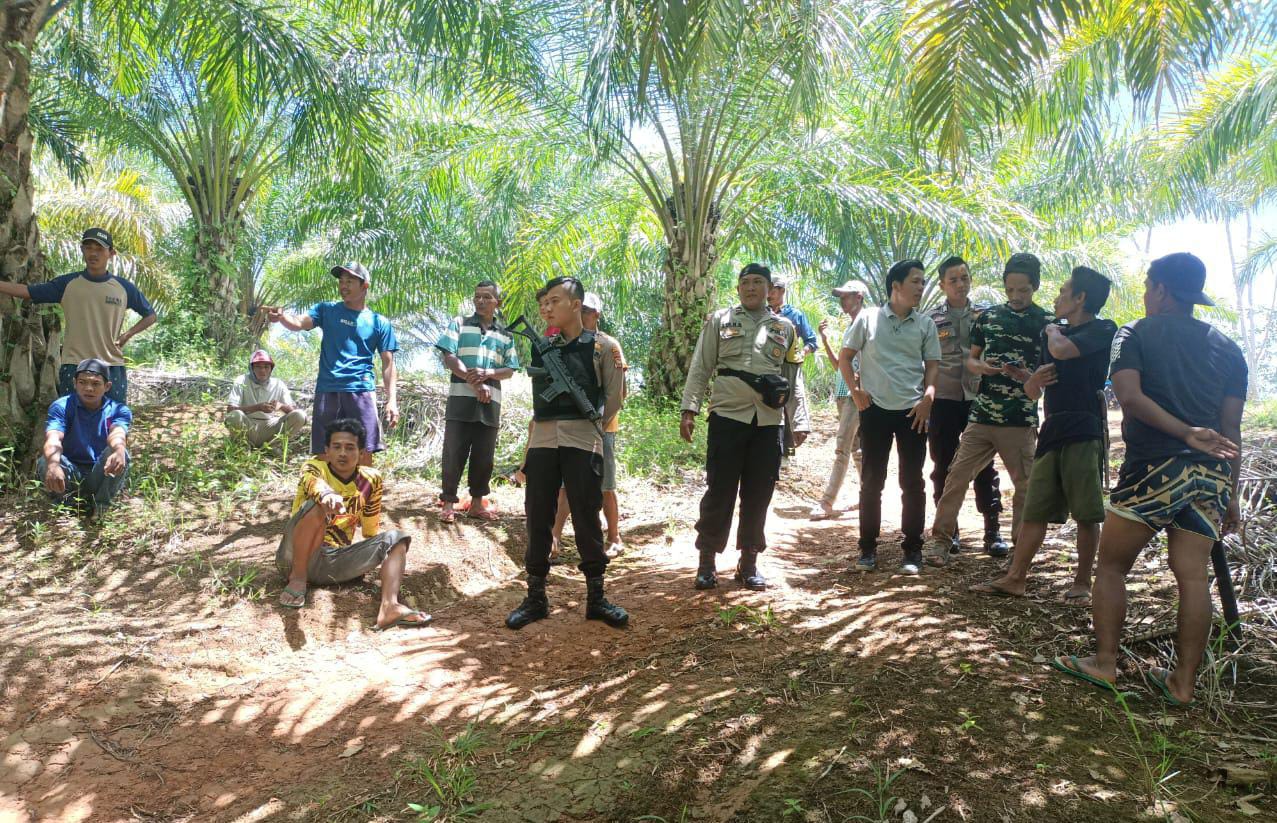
x=565, y=449
x=737, y=345
x=956, y=389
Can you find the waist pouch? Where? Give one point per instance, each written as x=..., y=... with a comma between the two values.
x=772, y=388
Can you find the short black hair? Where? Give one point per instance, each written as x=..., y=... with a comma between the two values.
x=1094, y=285
x=346, y=425
x=489, y=284
x=948, y=263
x=574, y=286
x=900, y=271
x=755, y=268
x=1027, y=264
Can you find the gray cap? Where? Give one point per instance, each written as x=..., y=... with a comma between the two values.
x=592, y=302
x=850, y=287
x=351, y=268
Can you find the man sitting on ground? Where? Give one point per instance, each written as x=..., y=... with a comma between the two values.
x=335, y=496
x=1068, y=469
x=260, y=405
x=1182, y=386
x=84, y=455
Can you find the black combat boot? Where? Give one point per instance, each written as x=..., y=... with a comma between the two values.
x=705, y=576
x=533, y=608
x=994, y=545
x=597, y=606
x=747, y=571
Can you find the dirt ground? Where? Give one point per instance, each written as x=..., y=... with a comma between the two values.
x=147, y=677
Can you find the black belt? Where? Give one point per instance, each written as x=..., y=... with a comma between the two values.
x=743, y=375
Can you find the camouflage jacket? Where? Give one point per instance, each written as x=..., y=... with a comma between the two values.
x=1007, y=336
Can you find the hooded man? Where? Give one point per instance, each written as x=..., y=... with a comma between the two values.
x=260, y=405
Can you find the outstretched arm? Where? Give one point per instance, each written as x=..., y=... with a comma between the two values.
x=292, y=322
x=18, y=290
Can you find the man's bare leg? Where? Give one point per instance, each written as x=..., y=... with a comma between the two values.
x=612, y=513
x=1120, y=545
x=392, y=569
x=308, y=535
x=560, y=520
x=1014, y=581
x=1189, y=558
x=1088, y=540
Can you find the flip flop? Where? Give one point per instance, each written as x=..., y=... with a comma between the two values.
x=448, y=517
x=405, y=622
x=989, y=588
x=301, y=594
x=1074, y=669
x=1077, y=598
x=482, y=514
x=1156, y=677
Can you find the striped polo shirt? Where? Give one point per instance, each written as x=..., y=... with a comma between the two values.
x=477, y=348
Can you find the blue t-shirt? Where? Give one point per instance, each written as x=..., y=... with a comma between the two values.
x=351, y=339
x=84, y=431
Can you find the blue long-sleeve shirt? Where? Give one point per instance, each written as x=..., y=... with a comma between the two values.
x=795, y=316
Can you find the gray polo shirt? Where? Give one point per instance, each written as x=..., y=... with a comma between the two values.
x=893, y=354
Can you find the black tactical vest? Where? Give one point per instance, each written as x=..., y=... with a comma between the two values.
x=578, y=356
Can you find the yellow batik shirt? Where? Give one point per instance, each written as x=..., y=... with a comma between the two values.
x=361, y=495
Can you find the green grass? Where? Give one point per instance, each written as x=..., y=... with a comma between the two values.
x=649, y=445
x=1261, y=414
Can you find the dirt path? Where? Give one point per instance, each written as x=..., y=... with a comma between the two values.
x=144, y=680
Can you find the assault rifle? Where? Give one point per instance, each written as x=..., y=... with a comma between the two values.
x=561, y=381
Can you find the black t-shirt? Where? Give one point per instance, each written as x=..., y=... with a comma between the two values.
x=1187, y=367
x=1074, y=405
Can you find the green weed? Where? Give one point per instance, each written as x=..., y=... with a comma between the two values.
x=968, y=722
x=235, y=580
x=448, y=772
x=879, y=797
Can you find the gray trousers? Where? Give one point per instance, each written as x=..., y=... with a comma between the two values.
x=259, y=432
x=846, y=449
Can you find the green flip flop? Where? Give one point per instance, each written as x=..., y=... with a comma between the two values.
x=1074, y=669
x=301, y=594
x=407, y=622
x=1156, y=678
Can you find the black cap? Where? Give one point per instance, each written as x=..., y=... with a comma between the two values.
x=1024, y=263
x=1183, y=275
x=99, y=236
x=352, y=268
x=94, y=366
x=756, y=268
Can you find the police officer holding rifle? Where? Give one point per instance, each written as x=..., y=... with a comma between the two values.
x=576, y=386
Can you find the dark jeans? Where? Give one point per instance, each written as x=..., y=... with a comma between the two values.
x=117, y=376
x=948, y=419
x=581, y=474
x=472, y=442
x=88, y=483
x=742, y=457
x=878, y=428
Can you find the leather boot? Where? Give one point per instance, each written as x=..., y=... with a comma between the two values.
x=533, y=608
x=747, y=571
x=705, y=576
x=994, y=545
x=597, y=606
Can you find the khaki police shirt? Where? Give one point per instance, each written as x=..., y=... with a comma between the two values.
x=581, y=434
x=953, y=326
x=750, y=341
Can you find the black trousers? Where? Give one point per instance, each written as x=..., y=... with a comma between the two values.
x=468, y=442
x=744, y=458
x=581, y=474
x=948, y=419
x=878, y=428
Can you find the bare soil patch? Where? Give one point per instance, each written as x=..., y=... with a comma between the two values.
x=148, y=674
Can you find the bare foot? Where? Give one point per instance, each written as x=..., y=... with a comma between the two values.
x=1002, y=587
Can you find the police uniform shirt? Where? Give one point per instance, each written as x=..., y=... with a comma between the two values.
x=953, y=326
x=581, y=434
x=755, y=342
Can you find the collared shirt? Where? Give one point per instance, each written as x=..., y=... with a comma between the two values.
x=893, y=354
x=94, y=308
x=581, y=434
x=361, y=494
x=1008, y=336
x=953, y=326
x=248, y=392
x=84, y=431
x=608, y=343
x=748, y=341
x=476, y=347
x=351, y=338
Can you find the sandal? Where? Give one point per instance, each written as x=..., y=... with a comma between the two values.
x=411, y=620
x=1074, y=669
x=287, y=592
x=447, y=517
x=1156, y=677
